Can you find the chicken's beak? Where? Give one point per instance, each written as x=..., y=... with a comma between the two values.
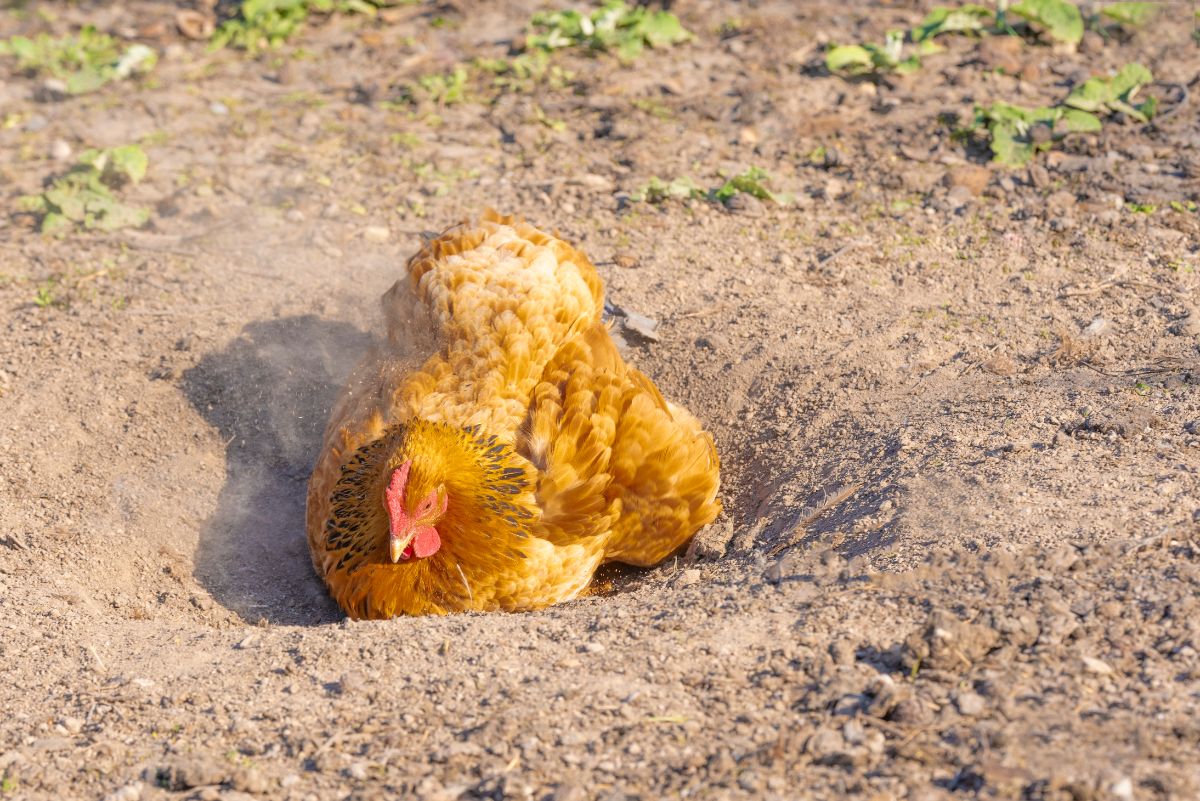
x=396, y=546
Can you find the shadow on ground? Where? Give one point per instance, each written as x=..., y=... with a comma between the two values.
x=269, y=394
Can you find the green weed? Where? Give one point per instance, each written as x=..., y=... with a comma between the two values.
x=1018, y=133
x=84, y=62
x=83, y=197
x=615, y=26
x=266, y=24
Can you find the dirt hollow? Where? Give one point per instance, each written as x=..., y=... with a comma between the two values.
x=957, y=409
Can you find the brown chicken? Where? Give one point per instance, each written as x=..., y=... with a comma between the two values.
x=495, y=449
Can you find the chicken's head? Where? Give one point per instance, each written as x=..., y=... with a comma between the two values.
x=411, y=520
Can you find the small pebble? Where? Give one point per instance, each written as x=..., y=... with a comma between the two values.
x=969, y=703
x=377, y=233
x=958, y=197
x=130, y=792
x=218, y=108
x=60, y=150
x=594, y=648
x=1122, y=789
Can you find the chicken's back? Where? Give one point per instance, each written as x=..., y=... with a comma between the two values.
x=502, y=298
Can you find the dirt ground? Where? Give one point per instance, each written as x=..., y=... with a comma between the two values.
x=956, y=406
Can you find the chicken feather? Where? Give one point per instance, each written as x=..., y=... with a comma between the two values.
x=499, y=392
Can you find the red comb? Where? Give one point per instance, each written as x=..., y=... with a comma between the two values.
x=394, y=495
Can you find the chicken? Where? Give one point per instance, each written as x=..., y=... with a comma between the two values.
x=495, y=449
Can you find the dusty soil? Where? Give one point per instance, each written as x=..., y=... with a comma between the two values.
x=959, y=426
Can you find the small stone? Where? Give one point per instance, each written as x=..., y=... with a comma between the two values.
x=72, y=725
x=1038, y=176
x=743, y=203
x=184, y=774
x=294, y=216
x=1096, y=667
x=376, y=233
x=969, y=703
x=1061, y=201
x=351, y=683
x=714, y=342
x=643, y=326
x=60, y=150
x=53, y=90
x=626, y=261
x=251, y=780
x=972, y=177
x=687, y=577
x=247, y=642
x=290, y=780
x=193, y=24
x=594, y=648
x=568, y=792
x=959, y=197
x=130, y=792
x=1002, y=53
x=910, y=712
x=594, y=181
x=842, y=651
x=1061, y=224
x=1122, y=789
x=826, y=742
x=920, y=179
x=1091, y=42
x=834, y=188
x=1097, y=327
x=1000, y=365
x=853, y=732
x=357, y=771
x=218, y=108
x=750, y=781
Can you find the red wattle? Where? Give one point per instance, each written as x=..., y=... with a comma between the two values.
x=426, y=543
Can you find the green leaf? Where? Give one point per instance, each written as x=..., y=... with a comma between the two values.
x=129, y=161
x=1010, y=128
x=657, y=190
x=751, y=182
x=1134, y=15
x=661, y=29
x=1115, y=93
x=848, y=58
x=1060, y=18
x=88, y=79
x=964, y=19
x=1008, y=145
x=1080, y=121
x=54, y=223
